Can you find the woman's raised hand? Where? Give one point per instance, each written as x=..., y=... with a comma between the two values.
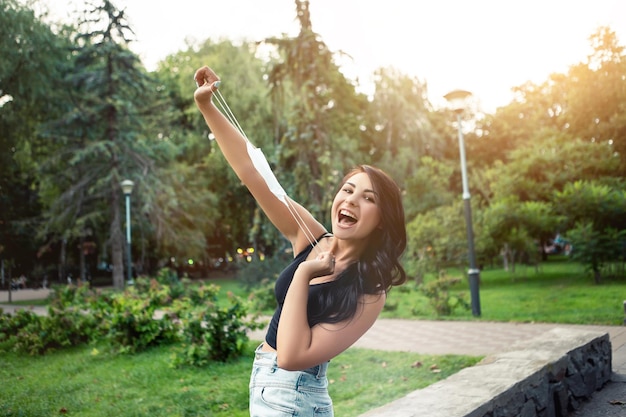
x=207, y=82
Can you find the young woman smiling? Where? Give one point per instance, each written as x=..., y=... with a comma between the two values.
x=336, y=286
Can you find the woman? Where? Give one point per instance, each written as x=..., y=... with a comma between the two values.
x=335, y=288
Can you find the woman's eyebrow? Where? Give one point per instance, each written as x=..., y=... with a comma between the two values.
x=367, y=190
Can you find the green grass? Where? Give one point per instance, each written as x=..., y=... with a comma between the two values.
x=558, y=292
x=87, y=383
x=79, y=382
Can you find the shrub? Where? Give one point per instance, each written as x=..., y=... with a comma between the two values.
x=131, y=324
x=210, y=332
x=148, y=314
x=440, y=297
x=29, y=333
x=262, y=298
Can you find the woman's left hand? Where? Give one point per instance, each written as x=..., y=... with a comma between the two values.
x=322, y=265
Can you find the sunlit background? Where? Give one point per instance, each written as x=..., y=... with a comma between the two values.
x=485, y=46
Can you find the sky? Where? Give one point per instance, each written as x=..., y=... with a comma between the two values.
x=483, y=46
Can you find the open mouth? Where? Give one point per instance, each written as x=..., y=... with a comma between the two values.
x=347, y=218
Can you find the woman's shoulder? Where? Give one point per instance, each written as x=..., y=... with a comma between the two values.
x=312, y=243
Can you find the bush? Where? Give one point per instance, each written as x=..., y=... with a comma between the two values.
x=130, y=322
x=27, y=332
x=262, y=298
x=440, y=297
x=152, y=312
x=210, y=332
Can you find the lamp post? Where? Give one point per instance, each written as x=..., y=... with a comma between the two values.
x=457, y=100
x=127, y=188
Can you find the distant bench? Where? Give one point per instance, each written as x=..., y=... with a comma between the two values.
x=549, y=376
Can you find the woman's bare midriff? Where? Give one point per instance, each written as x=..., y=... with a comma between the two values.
x=267, y=348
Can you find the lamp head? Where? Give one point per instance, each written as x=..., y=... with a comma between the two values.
x=127, y=186
x=458, y=100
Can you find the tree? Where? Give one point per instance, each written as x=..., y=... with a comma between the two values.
x=399, y=131
x=517, y=231
x=110, y=133
x=429, y=187
x=318, y=114
x=438, y=237
x=228, y=205
x=548, y=163
x=597, y=93
x=28, y=97
x=595, y=222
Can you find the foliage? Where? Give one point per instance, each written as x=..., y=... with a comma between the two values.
x=10, y=325
x=595, y=249
x=113, y=126
x=517, y=231
x=211, y=212
x=131, y=324
x=439, y=237
x=596, y=227
x=547, y=164
x=146, y=315
x=28, y=97
x=399, y=132
x=210, y=332
x=64, y=326
x=263, y=298
x=428, y=187
x=318, y=112
x=250, y=274
x=440, y=297
x=96, y=116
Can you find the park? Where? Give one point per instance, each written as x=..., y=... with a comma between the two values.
x=117, y=202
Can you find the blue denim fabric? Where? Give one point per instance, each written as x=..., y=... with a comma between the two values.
x=275, y=392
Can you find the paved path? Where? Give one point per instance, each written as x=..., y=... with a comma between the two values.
x=474, y=338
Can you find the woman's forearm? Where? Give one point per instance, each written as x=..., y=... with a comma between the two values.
x=230, y=140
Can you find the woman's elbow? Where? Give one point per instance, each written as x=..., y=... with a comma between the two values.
x=289, y=363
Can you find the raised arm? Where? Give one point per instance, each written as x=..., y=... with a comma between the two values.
x=234, y=147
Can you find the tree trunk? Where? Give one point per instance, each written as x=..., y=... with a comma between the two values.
x=117, y=244
x=597, y=276
x=505, y=257
x=81, y=258
x=62, y=260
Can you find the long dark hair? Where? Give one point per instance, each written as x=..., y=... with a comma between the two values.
x=379, y=267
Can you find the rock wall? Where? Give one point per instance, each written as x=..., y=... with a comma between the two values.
x=549, y=376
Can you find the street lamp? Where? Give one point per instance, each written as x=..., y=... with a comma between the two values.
x=458, y=101
x=127, y=188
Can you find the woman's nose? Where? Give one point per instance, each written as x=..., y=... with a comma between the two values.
x=351, y=199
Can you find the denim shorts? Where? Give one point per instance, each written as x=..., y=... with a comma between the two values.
x=275, y=392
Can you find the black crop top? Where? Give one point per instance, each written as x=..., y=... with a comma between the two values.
x=280, y=290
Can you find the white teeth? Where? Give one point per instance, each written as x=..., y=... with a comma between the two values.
x=347, y=214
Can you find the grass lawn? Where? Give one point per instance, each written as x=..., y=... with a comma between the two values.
x=87, y=383
x=558, y=292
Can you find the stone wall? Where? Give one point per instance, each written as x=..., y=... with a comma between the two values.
x=548, y=376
